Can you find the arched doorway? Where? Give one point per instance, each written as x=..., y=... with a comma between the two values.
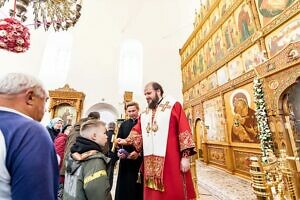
x=108, y=113
x=290, y=103
x=199, y=137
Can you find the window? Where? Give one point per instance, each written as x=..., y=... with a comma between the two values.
x=131, y=66
x=56, y=59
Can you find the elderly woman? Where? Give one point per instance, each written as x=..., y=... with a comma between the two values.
x=54, y=127
x=60, y=144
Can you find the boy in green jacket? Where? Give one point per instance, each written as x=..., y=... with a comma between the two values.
x=86, y=176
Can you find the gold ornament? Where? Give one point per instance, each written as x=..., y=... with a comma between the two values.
x=154, y=126
x=148, y=128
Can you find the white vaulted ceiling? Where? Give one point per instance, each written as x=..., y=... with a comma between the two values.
x=93, y=54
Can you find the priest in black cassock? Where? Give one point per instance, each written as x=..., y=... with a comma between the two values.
x=128, y=187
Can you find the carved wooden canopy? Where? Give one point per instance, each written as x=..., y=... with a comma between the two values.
x=66, y=96
x=278, y=74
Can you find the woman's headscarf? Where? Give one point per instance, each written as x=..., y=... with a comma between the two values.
x=54, y=121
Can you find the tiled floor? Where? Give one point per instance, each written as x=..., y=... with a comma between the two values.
x=222, y=185
x=205, y=194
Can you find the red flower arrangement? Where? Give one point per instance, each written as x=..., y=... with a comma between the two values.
x=14, y=36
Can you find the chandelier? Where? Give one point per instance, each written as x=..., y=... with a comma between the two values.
x=60, y=14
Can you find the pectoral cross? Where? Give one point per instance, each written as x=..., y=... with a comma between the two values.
x=165, y=106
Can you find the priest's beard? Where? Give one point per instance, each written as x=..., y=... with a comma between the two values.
x=153, y=103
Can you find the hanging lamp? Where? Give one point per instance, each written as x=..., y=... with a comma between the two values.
x=60, y=14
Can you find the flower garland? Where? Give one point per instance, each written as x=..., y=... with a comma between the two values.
x=61, y=14
x=14, y=36
x=265, y=134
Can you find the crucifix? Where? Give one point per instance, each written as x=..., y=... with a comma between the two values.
x=165, y=106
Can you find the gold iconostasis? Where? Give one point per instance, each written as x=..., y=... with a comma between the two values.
x=233, y=42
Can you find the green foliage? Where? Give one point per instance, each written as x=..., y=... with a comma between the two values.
x=265, y=134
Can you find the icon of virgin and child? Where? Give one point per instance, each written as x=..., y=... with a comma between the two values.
x=244, y=126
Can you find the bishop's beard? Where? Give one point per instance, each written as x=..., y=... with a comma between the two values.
x=153, y=103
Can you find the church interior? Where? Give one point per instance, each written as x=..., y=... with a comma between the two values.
x=233, y=64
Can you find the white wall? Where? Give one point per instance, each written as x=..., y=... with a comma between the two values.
x=162, y=26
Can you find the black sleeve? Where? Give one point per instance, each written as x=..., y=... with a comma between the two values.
x=121, y=131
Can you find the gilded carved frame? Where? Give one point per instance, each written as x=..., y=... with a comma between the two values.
x=189, y=53
x=279, y=73
x=257, y=37
x=66, y=97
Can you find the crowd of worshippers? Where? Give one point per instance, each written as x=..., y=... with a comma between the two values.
x=153, y=149
x=68, y=138
x=73, y=139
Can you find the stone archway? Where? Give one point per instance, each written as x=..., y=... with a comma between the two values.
x=108, y=112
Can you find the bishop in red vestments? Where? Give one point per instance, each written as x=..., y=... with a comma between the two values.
x=164, y=136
